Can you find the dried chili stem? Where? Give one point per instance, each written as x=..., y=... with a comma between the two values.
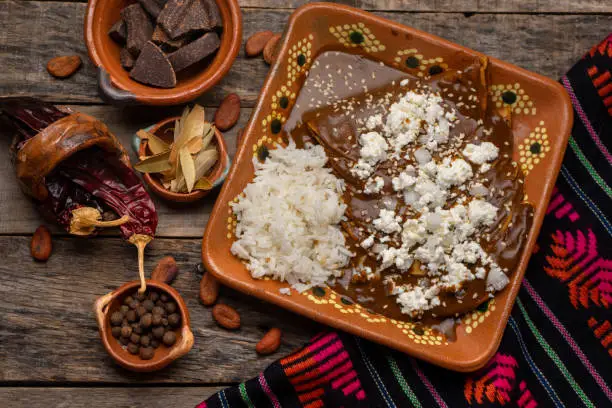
x=141, y=242
x=86, y=219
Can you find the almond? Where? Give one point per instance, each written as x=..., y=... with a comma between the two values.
x=228, y=113
x=209, y=289
x=256, y=43
x=166, y=270
x=270, y=342
x=270, y=51
x=41, y=245
x=64, y=66
x=226, y=316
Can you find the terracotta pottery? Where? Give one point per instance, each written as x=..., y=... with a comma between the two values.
x=115, y=84
x=109, y=303
x=541, y=124
x=217, y=174
x=41, y=154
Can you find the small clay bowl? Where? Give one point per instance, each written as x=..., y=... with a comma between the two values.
x=111, y=302
x=216, y=175
x=115, y=84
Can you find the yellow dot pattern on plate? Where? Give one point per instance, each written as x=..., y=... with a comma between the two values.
x=471, y=321
x=533, y=149
x=299, y=58
x=513, y=96
x=357, y=35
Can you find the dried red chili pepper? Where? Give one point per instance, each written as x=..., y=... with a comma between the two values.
x=76, y=171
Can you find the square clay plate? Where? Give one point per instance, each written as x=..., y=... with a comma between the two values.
x=541, y=122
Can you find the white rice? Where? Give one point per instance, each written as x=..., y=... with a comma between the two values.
x=288, y=219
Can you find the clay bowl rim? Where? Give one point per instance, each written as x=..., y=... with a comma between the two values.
x=132, y=91
x=160, y=190
x=102, y=308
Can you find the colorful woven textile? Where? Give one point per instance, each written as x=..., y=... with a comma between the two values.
x=557, y=347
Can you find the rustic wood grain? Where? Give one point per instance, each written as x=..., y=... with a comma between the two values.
x=20, y=217
x=124, y=397
x=33, y=32
x=491, y=6
x=48, y=331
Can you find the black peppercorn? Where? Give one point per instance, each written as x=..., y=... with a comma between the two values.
x=146, y=353
x=164, y=321
x=170, y=307
x=159, y=303
x=134, y=304
x=126, y=331
x=174, y=320
x=156, y=320
x=146, y=321
x=154, y=343
x=136, y=328
x=128, y=300
x=140, y=310
x=163, y=297
x=116, y=318
x=158, y=332
x=169, y=338
x=145, y=340
x=116, y=331
x=133, y=348
x=124, y=340
x=135, y=338
x=154, y=296
x=131, y=316
x=124, y=309
x=148, y=305
x=158, y=311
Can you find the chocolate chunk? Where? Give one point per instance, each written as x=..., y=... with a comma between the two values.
x=153, y=68
x=181, y=17
x=139, y=27
x=151, y=6
x=214, y=15
x=127, y=59
x=118, y=32
x=194, y=51
x=166, y=43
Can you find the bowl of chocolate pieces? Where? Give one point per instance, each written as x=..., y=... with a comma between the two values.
x=161, y=52
x=144, y=330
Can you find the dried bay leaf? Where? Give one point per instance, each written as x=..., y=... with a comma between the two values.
x=204, y=161
x=207, y=135
x=156, y=145
x=154, y=164
x=188, y=168
x=203, y=184
x=191, y=126
x=194, y=145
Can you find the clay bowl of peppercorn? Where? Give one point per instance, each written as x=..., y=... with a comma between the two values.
x=144, y=332
x=216, y=175
x=175, y=66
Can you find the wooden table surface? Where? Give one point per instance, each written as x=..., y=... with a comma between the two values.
x=50, y=353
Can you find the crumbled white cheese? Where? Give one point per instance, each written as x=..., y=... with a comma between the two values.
x=373, y=150
x=285, y=291
x=481, y=212
x=482, y=153
x=414, y=300
x=374, y=121
x=388, y=222
x=403, y=180
x=453, y=173
x=368, y=242
x=374, y=185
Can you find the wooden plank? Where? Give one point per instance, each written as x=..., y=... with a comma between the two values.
x=118, y=397
x=21, y=217
x=48, y=331
x=34, y=32
x=449, y=6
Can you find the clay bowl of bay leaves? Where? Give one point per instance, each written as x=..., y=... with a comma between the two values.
x=183, y=158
